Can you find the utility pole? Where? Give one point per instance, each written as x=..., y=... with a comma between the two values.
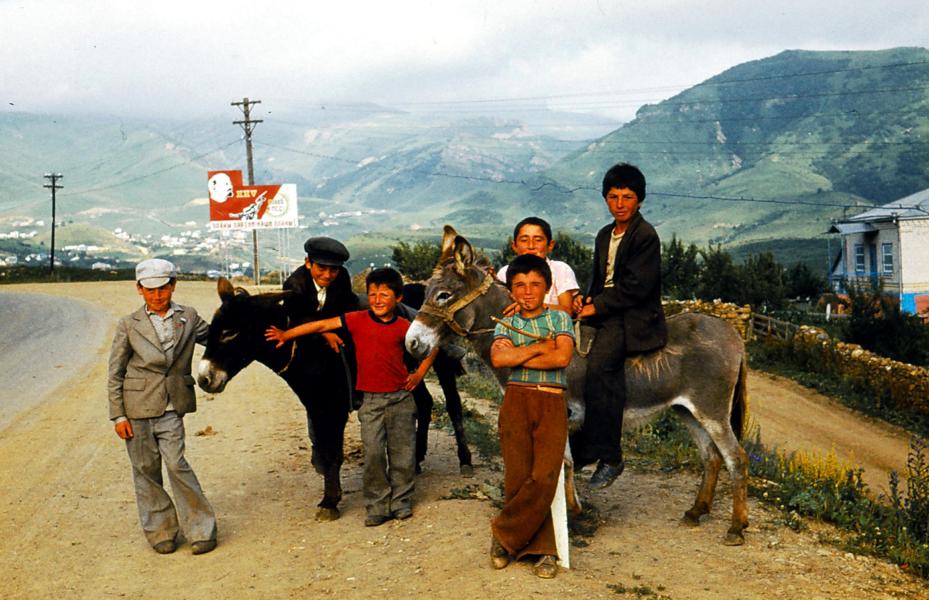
x=248, y=124
x=53, y=177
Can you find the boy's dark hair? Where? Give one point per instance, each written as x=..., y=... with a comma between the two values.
x=527, y=263
x=386, y=276
x=546, y=228
x=624, y=175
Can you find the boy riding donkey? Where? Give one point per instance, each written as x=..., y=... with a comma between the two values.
x=536, y=343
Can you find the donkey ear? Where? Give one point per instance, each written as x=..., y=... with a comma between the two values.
x=464, y=255
x=225, y=289
x=448, y=239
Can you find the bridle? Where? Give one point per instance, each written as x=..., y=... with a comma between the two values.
x=447, y=313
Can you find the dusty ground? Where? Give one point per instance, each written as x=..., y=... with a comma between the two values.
x=68, y=524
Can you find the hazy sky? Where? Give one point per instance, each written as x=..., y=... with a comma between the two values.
x=191, y=58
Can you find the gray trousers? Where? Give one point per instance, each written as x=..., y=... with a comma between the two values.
x=157, y=440
x=388, y=432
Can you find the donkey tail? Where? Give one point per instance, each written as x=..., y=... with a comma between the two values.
x=738, y=417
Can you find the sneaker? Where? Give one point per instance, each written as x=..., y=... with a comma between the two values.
x=606, y=474
x=403, y=513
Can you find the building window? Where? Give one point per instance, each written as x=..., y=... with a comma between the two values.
x=887, y=259
x=859, y=259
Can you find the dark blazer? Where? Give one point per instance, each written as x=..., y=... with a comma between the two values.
x=636, y=293
x=140, y=380
x=302, y=305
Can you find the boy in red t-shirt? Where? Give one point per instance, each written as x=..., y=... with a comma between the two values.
x=388, y=413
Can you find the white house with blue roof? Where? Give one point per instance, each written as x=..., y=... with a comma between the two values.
x=890, y=242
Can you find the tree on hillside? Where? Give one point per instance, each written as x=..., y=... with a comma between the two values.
x=761, y=282
x=802, y=282
x=416, y=261
x=578, y=256
x=719, y=277
x=680, y=271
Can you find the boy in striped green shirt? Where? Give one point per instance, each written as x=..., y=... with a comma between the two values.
x=536, y=343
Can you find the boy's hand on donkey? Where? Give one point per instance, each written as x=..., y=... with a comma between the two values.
x=412, y=380
x=275, y=334
x=334, y=341
x=124, y=430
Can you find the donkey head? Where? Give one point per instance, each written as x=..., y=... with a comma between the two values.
x=460, y=271
x=237, y=334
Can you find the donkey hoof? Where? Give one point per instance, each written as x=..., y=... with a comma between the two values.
x=690, y=520
x=327, y=514
x=466, y=470
x=734, y=539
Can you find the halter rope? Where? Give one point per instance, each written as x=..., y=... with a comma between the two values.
x=447, y=314
x=293, y=352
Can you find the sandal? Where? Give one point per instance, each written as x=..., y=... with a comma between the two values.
x=546, y=567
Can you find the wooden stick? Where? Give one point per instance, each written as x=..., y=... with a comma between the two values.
x=520, y=331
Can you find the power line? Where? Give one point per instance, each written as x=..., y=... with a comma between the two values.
x=561, y=188
x=633, y=90
x=151, y=174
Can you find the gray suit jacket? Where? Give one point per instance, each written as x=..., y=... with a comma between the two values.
x=140, y=381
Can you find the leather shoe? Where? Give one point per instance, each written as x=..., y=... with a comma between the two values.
x=499, y=557
x=375, y=520
x=203, y=546
x=606, y=474
x=546, y=567
x=165, y=547
x=402, y=513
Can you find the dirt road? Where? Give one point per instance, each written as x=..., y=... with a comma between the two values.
x=69, y=529
x=796, y=418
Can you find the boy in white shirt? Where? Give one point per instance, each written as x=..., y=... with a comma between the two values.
x=533, y=235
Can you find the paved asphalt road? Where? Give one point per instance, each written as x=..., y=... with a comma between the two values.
x=44, y=340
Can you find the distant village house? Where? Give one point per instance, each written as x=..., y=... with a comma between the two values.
x=889, y=243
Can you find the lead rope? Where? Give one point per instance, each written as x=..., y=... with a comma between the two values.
x=293, y=352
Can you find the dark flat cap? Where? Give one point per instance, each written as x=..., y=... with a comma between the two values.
x=326, y=251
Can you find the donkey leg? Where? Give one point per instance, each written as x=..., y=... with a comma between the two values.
x=327, y=432
x=456, y=416
x=328, y=507
x=737, y=465
x=712, y=462
x=423, y=400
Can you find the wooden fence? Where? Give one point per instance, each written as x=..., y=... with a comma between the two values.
x=765, y=327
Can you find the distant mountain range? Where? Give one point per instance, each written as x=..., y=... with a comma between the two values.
x=762, y=154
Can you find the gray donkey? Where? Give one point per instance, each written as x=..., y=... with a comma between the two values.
x=700, y=373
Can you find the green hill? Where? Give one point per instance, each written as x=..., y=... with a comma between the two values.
x=805, y=136
x=762, y=155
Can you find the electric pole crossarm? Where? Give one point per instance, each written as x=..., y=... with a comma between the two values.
x=248, y=125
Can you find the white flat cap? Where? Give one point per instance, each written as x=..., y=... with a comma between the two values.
x=155, y=272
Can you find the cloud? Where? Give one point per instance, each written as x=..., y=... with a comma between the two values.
x=193, y=58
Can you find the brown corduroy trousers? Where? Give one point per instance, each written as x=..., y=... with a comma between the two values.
x=533, y=427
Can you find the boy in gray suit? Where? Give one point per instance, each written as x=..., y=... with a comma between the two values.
x=150, y=389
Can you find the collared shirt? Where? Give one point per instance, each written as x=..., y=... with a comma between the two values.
x=563, y=279
x=549, y=322
x=611, y=257
x=320, y=295
x=164, y=329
